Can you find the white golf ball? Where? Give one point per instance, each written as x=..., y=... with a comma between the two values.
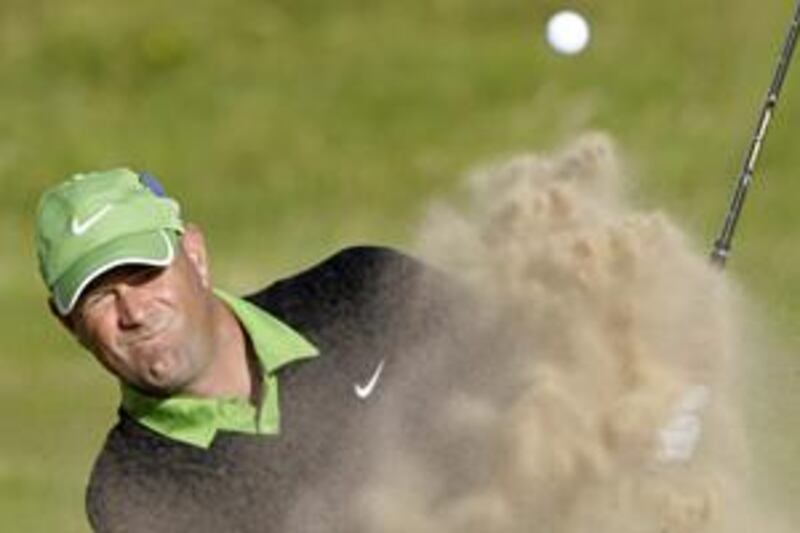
x=567, y=32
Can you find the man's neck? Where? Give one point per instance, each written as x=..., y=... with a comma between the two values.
x=233, y=370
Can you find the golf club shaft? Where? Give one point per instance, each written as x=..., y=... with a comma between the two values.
x=722, y=245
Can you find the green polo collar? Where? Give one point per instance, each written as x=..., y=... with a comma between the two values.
x=195, y=420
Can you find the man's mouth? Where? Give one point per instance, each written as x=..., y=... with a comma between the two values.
x=151, y=334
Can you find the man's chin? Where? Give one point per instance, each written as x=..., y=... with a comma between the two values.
x=157, y=390
x=162, y=380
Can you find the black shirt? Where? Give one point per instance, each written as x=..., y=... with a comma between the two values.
x=363, y=307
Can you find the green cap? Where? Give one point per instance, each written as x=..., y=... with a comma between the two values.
x=96, y=221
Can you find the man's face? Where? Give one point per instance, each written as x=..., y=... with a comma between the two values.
x=148, y=325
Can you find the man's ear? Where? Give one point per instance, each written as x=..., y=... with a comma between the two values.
x=194, y=246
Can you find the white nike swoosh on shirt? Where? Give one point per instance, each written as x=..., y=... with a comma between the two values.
x=363, y=391
x=79, y=227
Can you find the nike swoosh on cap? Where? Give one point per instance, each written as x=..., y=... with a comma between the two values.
x=79, y=227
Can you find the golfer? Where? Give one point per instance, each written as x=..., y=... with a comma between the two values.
x=230, y=406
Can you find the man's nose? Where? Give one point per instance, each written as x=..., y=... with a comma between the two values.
x=131, y=306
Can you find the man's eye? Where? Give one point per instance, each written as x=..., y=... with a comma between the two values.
x=144, y=274
x=94, y=301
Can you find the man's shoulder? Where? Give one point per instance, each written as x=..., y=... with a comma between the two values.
x=132, y=451
x=143, y=481
x=373, y=256
x=125, y=476
x=362, y=302
x=365, y=263
x=355, y=276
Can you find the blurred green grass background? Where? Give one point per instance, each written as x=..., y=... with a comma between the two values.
x=289, y=128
